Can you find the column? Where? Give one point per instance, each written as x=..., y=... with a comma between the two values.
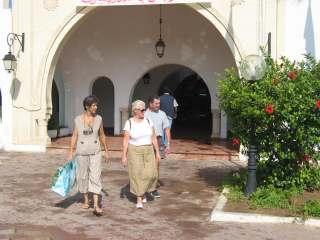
x=216, y=119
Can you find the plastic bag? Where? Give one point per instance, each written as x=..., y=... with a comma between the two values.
x=64, y=178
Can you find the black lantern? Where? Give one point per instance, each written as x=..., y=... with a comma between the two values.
x=9, y=60
x=160, y=45
x=146, y=78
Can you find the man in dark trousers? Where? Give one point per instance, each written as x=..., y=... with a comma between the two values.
x=169, y=105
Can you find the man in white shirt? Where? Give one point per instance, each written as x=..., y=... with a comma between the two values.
x=161, y=125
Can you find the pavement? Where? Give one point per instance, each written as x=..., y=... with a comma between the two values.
x=181, y=149
x=30, y=210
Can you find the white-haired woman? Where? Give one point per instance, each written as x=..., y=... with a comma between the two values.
x=139, y=145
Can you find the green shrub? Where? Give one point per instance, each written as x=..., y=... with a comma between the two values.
x=282, y=113
x=235, y=179
x=264, y=198
x=311, y=208
x=236, y=194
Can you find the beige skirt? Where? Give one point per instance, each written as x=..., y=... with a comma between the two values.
x=142, y=169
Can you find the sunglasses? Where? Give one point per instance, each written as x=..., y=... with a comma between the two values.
x=142, y=110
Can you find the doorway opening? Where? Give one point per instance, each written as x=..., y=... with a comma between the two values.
x=103, y=89
x=194, y=118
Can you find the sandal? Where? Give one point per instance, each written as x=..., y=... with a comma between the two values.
x=98, y=213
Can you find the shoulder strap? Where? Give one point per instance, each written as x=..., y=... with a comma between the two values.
x=130, y=123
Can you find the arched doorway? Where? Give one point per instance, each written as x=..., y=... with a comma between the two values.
x=125, y=61
x=54, y=121
x=103, y=89
x=194, y=118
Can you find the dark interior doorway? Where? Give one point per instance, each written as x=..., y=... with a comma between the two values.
x=54, y=120
x=103, y=89
x=194, y=118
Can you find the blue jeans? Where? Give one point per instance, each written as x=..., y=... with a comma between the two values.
x=164, y=140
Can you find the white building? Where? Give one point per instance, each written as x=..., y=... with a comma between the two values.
x=72, y=51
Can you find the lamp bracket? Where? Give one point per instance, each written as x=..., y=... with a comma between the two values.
x=13, y=36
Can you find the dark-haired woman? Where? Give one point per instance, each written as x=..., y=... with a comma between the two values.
x=86, y=139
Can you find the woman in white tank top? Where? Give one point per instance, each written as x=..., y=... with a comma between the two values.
x=140, y=153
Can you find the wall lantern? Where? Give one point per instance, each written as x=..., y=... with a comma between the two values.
x=146, y=78
x=9, y=60
x=160, y=45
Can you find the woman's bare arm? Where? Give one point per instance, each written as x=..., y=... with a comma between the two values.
x=126, y=138
x=74, y=139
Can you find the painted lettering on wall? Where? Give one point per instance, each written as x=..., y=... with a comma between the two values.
x=131, y=2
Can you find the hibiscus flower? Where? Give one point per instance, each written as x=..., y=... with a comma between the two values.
x=269, y=109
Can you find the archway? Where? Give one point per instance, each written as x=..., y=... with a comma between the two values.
x=194, y=118
x=103, y=89
x=62, y=34
x=126, y=60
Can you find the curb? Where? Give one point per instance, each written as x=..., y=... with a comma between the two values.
x=218, y=215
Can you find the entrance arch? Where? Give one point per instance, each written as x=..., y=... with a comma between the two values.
x=74, y=20
x=84, y=58
x=103, y=89
x=194, y=118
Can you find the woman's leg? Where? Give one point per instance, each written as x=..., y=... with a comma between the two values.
x=96, y=203
x=151, y=169
x=85, y=201
x=136, y=168
x=95, y=184
x=83, y=178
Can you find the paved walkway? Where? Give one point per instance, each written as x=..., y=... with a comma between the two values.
x=29, y=210
x=181, y=149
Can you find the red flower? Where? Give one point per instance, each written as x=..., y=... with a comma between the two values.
x=235, y=141
x=292, y=75
x=318, y=104
x=306, y=158
x=269, y=109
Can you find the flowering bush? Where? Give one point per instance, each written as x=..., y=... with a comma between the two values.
x=281, y=112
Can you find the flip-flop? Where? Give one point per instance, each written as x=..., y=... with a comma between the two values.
x=98, y=214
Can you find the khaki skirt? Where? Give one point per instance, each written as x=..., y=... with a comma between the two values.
x=142, y=169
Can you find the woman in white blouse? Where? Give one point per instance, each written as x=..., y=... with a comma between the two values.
x=140, y=152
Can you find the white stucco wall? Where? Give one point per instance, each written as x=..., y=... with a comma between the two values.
x=5, y=79
x=302, y=33
x=119, y=43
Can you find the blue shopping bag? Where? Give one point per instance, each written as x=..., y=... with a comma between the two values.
x=64, y=178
